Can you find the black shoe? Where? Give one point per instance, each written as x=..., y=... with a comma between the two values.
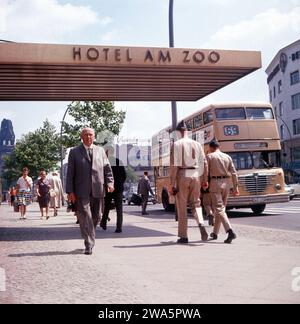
x=145, y=213
x=118, y=230
x=213, y=236
x=88, y=251
x=77, y=222
x=204, y=235
x=103, y=225
x=231, y=236
x=183, y=240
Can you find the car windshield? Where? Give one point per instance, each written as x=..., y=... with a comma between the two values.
x=230, y=113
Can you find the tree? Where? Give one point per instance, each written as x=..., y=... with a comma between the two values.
x=131, y=175
x=100, y=115
x=11, y=170
x=36, y=150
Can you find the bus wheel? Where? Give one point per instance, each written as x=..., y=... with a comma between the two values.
x=165, y=201
x=258, y=209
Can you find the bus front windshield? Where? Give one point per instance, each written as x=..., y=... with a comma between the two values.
x=256, y=160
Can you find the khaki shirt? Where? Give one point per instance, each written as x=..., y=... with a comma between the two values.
x=187, y=154
x=220, y=164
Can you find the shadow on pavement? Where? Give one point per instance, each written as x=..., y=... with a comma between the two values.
x=15, y=234
x=154, y=213
x=190, y=244
x=237, y=214
x=51, y=253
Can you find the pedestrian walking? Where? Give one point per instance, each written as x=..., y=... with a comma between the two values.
x=144, y=188
x=188, y=165
x=223, y=177
x=119, y=175
x=88, y=172
x=24, y=185
x=56, y=193
x=12, y=194
x=42, y=190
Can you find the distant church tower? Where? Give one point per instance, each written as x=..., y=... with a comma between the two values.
x=7, y=140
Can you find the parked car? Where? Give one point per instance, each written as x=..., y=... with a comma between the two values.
x=152, y=199
x=132, y=197
x=296, y=188
x=290, y=190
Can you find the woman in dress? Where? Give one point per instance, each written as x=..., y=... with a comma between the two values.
x=24, y=186
x=42, y=190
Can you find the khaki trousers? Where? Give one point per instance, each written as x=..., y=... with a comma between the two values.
x=188, y=194
x=219, y=194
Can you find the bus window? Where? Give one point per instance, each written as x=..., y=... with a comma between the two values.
x=230, y=113
x=260, y=113
x=242, y=160
x=189, y=124
x=265, y=159
x=198, y=121
x=208, y=117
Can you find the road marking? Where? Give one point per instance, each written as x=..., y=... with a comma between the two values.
x=285, y=210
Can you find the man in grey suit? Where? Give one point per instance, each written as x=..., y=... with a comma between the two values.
x=89, y=172
x=143, y=189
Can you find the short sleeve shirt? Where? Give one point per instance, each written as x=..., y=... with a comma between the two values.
x=23, y=185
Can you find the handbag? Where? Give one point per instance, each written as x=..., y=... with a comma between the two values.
x=52, y=193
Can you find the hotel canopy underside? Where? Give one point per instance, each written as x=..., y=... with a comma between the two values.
x=49, y=72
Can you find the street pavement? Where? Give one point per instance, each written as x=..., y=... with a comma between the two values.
x=43, y=261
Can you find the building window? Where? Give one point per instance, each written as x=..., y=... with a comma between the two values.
x=295, y=77
x=296, y=152
x=281, y=108
x=282, y=132
x=270, y=95
x=296, y=101
x=275, y=110
x=296, y=126
x=279, y=86
x=274, y=92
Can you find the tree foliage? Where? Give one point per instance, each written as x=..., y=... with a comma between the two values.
x=36, y=150
x=100, y=115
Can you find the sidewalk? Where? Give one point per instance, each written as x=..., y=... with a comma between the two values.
x=43, y=262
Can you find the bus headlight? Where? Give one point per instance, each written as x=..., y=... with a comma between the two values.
x=278, y=186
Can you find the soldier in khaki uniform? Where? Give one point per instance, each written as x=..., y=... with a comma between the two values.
x=222, y=175
x=188, y=164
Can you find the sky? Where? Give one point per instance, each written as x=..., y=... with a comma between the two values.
x=266, y=26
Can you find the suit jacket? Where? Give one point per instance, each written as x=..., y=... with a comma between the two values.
x=144, y=186
x=119, y=174
x=85, y=177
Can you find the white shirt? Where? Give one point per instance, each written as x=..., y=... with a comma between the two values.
x=87, y=148
x=23, y=184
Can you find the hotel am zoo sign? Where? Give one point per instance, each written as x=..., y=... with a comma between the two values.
x=144, y=55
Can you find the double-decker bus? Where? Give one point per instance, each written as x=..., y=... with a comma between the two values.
x=247, y=131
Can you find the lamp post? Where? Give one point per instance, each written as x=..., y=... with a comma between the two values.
x=62, y=148
x=291, y=140
x=171, y=44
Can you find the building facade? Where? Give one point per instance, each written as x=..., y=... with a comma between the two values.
x=284, y=92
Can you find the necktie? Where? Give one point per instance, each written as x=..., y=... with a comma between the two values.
x=90, y=153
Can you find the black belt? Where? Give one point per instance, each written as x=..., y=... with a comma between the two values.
x=188, y=168
x=220, y=177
